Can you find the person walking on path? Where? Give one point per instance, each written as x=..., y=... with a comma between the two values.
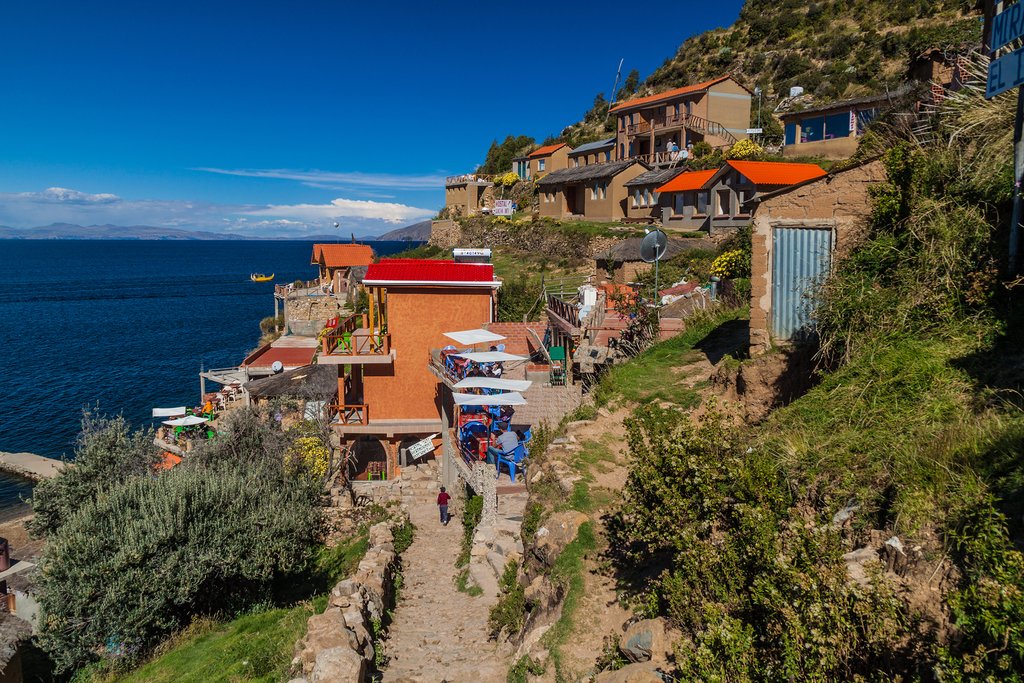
x=442, y=505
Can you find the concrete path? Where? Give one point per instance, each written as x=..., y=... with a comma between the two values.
x=30, y=465
x=439, y=634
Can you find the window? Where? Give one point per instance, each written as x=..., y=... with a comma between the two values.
x=864, y=118
x=608, y=156
x=682, y=200
x=541, y=163
x=576, y=162
x=723, y=203
x=812, y=130
x=647, y=196
x=837, y=125
x=622, y=150
x=593, y=191
x=604, y=189
x=702, y=202
x=637, y=196
x=689, y=108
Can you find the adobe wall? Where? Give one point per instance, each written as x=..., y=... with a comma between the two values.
x=839, y=201
x=836, y=148
x=418, y=317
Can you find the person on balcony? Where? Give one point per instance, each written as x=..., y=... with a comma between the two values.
x=507, y=442
x=673, y=150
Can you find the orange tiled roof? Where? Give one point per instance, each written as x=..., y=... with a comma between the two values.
x=776, y=172
x=342, y=255
x=669, y=94
x=687, y=182
x=544, y=151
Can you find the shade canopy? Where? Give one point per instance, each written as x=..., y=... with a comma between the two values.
x=168, y=412
x=187, y=421
x=513, y=398
x=471, y=337
x=494, y=383
x=489, y=356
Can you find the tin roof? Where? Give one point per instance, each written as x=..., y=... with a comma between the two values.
x=776, y=173
x=669, y=94
x=546, y=150
x=341, y=255
x=592, y=146
x=430, y=272
x=689, y=181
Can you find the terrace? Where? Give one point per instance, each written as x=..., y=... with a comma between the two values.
x=351, y=341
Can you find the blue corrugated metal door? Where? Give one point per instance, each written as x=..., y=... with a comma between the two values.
x=801, y=260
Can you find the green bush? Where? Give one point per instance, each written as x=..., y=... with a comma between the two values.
x=471, y=515
x=139, y=560
x=509, y=613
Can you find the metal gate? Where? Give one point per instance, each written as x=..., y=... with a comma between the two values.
x=801, y=258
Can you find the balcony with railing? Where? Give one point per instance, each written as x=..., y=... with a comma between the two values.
x=692, y=122
x=468, y=178
x=351, y=342
x=348, y=414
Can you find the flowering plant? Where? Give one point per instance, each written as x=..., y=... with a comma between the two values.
x=745, y=149
x=729, y=263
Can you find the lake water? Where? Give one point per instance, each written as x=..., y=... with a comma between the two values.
x=123, y=327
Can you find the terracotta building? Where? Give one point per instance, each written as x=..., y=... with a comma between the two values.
x=336, y=260
x=724, y=198
x=798, y=234
x=549, y=158
x=715, y=111
x=387, y=394
x=597, y=192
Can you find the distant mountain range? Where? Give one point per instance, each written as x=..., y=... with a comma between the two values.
x=70, y=231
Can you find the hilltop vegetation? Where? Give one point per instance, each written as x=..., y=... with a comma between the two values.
x=832, y=48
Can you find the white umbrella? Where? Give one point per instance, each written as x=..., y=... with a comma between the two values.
x=513, y=398
x=489, y=356
x=493, y=383
x=168, y=412
x=471, y=337
x=187, y=421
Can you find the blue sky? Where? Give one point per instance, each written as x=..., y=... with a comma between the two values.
x=277, y=118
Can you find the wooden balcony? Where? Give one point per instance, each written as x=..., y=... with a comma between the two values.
x=351, y=342
x=682, y=120
x=351, y=414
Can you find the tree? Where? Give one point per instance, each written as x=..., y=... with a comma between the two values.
x=598, y=111
x=629, y=86
x=499, y=156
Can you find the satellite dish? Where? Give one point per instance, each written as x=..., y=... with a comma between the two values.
x=654, y=246
x=277, y=366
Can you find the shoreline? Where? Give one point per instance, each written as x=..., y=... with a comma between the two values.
x=34, y=468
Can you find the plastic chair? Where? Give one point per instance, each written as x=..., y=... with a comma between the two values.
x=557, y=376
x=512, y=460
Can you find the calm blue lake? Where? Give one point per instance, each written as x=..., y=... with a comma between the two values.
x=124, y=326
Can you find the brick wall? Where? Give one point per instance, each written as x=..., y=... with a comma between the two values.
x=518, y=340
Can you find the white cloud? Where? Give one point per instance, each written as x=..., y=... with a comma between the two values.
x=346, y=208
x=62, y=205
x=315, y=178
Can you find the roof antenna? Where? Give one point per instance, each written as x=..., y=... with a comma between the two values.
x=611, y=99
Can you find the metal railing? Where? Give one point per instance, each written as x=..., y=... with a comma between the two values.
x=469, y=178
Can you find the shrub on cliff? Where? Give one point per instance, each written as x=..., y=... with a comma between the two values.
x=140, y=560
x=108, y=452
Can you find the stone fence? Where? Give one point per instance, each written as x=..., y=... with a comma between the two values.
x=338, y=645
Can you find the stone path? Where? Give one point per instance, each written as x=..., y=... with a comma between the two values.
x=438, y=634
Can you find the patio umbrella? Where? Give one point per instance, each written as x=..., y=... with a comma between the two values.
x=473, y=337
x=489, y=356
x=493, y=383
x=513, y=398
x=187, y=421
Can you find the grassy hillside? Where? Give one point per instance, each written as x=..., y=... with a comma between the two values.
x=832, y=48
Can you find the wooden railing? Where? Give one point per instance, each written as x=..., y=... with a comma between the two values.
x=351, y=413
x=682, y=119
x=347, y=340
x=564, y=310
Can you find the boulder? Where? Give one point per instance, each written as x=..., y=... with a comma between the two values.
x=643, y=641
x=559, y=531
x=325, y=631
x=631, y=673
x=338, y=664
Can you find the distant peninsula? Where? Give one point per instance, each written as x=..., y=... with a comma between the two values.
x=71, y=231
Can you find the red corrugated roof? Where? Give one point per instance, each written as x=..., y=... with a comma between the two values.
x=687, y=182
x=420, y=271
x=544, y=151
x=342, y=255
x=776, y=173
x=290, y=357
x=669, y=94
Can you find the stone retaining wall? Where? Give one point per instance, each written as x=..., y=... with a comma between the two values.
x=338, y=645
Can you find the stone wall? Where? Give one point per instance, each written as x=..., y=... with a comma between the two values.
x=338, y=645
x=307, y=315
x=446, y=234
x=839, y=201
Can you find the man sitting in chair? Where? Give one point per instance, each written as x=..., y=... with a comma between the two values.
x=507, y=442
